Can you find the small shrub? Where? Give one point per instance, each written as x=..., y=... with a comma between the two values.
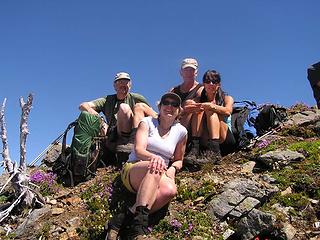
x=187, y=224
x=298, y=131
x=97, y=198
x=295, y=200
x=46, y=182
x=191, y=191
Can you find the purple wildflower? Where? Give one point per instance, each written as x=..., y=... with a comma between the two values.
x=263, y=143
x=188, y=231
x=176, y=224
x=42, y=177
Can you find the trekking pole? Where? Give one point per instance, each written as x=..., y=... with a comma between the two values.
x=49, y=147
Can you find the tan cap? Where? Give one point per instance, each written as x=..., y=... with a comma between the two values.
x=189, y=62
x=122, y=75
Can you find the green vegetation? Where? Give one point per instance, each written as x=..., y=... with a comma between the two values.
x=303, y=177
x=298, y=131
x=3, y=199
x=97, y=198
x=10, y=236
x=44, y=232
x=304, y=180
x=188, y=223
x=46, y=181
x=271, y=146
x=190, y=191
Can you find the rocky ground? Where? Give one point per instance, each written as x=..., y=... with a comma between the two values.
x=268, y=192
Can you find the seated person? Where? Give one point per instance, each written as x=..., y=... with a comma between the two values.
x=123, y=111
x=215, y=129
x=314, y=79
x=189, y=91
x=151, y=168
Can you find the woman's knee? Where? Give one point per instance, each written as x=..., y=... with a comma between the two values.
x=139, y=107
x=169, y=190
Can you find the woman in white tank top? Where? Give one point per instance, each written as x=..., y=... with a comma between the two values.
x=150, y=171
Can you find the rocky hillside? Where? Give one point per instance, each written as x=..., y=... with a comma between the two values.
x=270, y=191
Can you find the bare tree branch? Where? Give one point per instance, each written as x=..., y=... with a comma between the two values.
x=25, y=107
x=18, y=176
x=7, y=163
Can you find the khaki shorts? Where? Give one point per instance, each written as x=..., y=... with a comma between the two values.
x=125, y=176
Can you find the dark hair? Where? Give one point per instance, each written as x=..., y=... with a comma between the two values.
x=213, y=75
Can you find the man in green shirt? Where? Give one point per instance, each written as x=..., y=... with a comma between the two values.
x=123, y=110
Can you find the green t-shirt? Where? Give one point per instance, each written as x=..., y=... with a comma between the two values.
x=109, y=105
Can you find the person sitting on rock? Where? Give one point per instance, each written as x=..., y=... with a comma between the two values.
x=215, y=117
x=314, y=79
x=123, y=111
x=189, y=91
x=150, y=171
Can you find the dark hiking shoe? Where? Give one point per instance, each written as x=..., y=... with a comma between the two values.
x=123, y=145
x=116, y=223
x=210, y=156
x=212, y=153
x=125, y=148
x=139, y=227
x=191, y=157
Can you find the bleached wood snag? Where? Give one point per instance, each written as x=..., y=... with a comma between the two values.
x=25, y=195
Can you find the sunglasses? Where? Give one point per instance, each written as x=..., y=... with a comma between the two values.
x=214, y=81
x=170, y=103
x=123, y=81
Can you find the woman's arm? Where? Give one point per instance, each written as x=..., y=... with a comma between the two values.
x=177, y=157
x=225, y=110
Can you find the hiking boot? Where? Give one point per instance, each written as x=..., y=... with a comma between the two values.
x=112, y=234
x=139, y=227
x=126, y=144
x=212, y=152
x=116, y=223
x=194, y=153
x=123, y=145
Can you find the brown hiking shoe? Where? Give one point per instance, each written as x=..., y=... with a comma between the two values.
x=112, y=234
x=123, y=145
x=139, y=227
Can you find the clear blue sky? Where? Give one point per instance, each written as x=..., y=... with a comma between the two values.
x=66, y=52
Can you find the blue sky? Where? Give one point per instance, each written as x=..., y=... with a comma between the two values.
x=66, y=52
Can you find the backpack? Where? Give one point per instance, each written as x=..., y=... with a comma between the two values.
x=270, y=116
x=78, y=162
x=243, y=120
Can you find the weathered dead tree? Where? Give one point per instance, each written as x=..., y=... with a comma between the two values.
x=25, y=195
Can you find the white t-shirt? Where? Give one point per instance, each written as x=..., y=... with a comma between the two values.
x=163, y=147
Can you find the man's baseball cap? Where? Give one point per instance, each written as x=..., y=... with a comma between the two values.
x=122, y=75
x=189, y=62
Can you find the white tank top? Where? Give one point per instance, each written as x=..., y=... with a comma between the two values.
x=163, y=147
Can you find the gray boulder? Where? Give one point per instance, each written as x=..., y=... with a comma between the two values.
x=279, y=158
x=253, y=224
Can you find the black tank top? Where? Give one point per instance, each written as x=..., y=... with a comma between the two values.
x=186, y=95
